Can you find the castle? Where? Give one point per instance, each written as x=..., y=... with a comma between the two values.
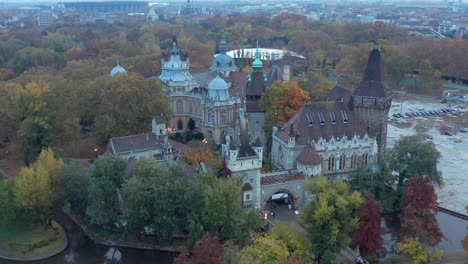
x=330, y=137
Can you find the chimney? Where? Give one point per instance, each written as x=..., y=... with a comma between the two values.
x=286, y=72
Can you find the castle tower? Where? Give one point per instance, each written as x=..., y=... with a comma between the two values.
x=245, y=161
x=371, y=101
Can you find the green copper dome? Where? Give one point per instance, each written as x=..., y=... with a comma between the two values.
x=257, y=63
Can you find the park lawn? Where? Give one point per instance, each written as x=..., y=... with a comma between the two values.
x=24, y=241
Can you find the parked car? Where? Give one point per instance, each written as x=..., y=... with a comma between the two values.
x=395, y=115
x=447, y=133
x=409, y=115
x=400, y=115
x=464, y=130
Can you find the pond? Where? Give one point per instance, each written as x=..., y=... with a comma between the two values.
x=82, y=250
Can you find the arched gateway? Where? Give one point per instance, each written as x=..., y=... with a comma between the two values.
x=282, y=195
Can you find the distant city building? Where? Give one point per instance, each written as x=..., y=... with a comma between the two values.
x=44, y=18
x=108, y=6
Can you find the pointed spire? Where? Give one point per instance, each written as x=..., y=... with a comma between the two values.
x=372, y=83
x=223, y=43
x=174, y=47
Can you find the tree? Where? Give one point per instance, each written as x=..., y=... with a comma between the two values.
x=418, y=212
x=316, y=85
x=368, y=235
x=413, y=155
x=281, y=100
x=7, y=202
x=378, y=182
x=36, y=130
x=265, y=249
x=329, y=219
x=39, y=188
x=76, y=183
x=146, y=197
x=418, y=252
x=104, y=185
x=202, y=153
x=215, y=208
x=208, y=250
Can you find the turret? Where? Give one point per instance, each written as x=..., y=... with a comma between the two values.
x=371, y=101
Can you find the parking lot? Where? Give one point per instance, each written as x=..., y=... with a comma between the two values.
x=445, y=129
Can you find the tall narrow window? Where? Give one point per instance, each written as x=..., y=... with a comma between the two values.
x=180, y=125
x=331, y=163
x=179, y=107
x=224, y=117
x=210, y=116
x=343, y=162
x=364, y=159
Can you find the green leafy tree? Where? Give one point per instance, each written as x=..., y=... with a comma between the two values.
x=264, y=249
x=146, y=195
x=106, y=179
x=7, y=202
x=39, y=188
x=418, y=252
x=216, y=209
x=329, y=219
x=76, y=183
x=413, y=155
x=36, y=130
x=316, y=85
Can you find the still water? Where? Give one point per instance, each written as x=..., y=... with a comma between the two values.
x=82, y=250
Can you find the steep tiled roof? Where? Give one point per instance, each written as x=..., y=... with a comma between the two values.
x=372, y=84
x=338, y=93
x=239, y=82
x=135, y=142
x=309, y=155
x=322, y=120
x=287, y=177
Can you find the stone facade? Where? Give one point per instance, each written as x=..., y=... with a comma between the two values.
x=212, y=109
x=330, y=137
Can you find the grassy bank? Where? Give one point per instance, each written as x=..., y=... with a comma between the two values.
x=22, y=241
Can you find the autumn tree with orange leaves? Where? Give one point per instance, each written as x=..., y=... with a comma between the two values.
x=197, y=154
x=281, y=100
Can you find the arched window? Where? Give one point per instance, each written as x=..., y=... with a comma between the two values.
x=190, y=105
x=180, y=125
x=210, y=134
x=331, y=163
x=353, y=161
x=210, y=116
x=224, y=117
x=364, y=159
x=343, y=162
x=179, y=107
x=280, y=161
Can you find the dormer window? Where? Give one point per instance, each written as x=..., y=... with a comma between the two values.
x=309, y=119
x=344, y=116
x=321, y=118
x=332, y=117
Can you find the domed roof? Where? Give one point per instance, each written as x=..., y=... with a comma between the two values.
x=218, y=89
x=222, y=61
x=117, y=69
x=257, y=63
